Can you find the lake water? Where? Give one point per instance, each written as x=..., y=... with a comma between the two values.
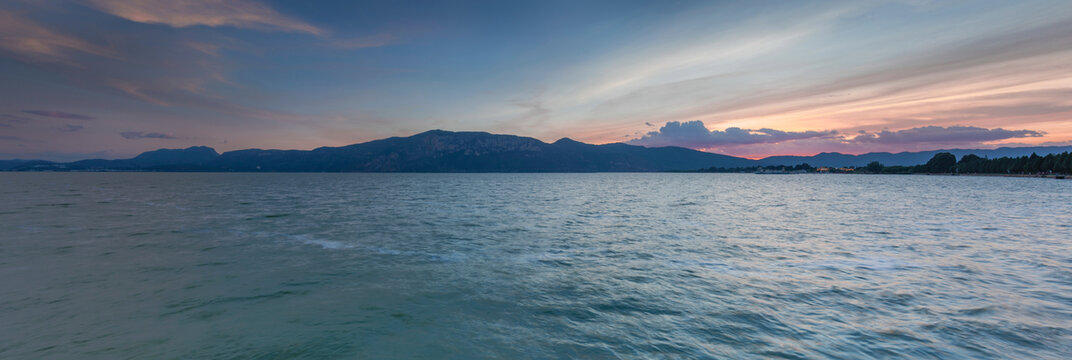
x=281, y=266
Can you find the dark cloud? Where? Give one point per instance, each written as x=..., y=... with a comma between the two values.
x=142, y=135
x=4, y=125
x=59, y=114
x=943, y=135
x=14, y=118
x=11, y=138
x=693, y=134
x=72, y=128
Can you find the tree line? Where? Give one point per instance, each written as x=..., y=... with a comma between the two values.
x=945, y=163
x=973, y=164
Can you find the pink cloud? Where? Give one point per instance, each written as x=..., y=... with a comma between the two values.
x=31, y=41
x=214, y=13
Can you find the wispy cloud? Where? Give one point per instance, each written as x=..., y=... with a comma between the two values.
x=214, y=13
x=134, y=135
x=14, y=118
x=943, y=135
x=71, y=128
x=945, y=79
x=59, y=114
x=667, y=62
x=988, y=75
x=204, y=47
x=31, y=41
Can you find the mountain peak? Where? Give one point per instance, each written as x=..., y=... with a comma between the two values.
x=190, y=155
x=566, y=141
x=434, y=132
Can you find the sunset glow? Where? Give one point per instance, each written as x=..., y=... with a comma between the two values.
x=79, y=75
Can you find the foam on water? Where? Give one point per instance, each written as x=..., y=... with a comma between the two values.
x=327, y=244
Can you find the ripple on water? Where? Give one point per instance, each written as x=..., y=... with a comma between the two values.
x=533, y=266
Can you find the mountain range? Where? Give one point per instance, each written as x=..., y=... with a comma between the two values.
x=447, y=151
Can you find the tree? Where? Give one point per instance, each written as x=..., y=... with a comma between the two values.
x=942, y=162
x=971, y=163
x=875, y=167
x=1033, y=162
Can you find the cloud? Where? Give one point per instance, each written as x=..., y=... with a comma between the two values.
x=213, y=13
x=31, y=41
x=943, y=135
x=11, y=138
x=204, y=47
x=14, y=118
x=954, y=78
x=133, y=135
x=535, y=113
x=72, y=128
x=763, y=142
x=693, y=134
x=362, y=42
x=59, y=114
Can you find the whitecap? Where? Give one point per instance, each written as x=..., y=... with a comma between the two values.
x=327, y=244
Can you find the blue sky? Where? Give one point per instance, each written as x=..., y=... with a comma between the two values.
x=111, y=78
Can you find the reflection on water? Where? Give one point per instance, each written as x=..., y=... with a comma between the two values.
x=118, y=265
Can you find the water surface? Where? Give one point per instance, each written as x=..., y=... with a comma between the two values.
x=165, y=265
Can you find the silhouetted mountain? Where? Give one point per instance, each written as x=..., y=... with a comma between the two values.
x=432, y=151
x=196, y=155
x=906, y=158
x=24, y=164
x=447, y=151
x=163, y=159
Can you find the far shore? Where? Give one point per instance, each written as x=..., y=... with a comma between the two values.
x=1051, y=176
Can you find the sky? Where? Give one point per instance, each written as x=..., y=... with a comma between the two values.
x=113, y=78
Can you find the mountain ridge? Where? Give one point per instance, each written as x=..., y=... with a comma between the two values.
x=477, y=151
x=430, y=151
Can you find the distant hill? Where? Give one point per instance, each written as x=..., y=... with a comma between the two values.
x=448, y=151
x=432, y=151
x=906, y=158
